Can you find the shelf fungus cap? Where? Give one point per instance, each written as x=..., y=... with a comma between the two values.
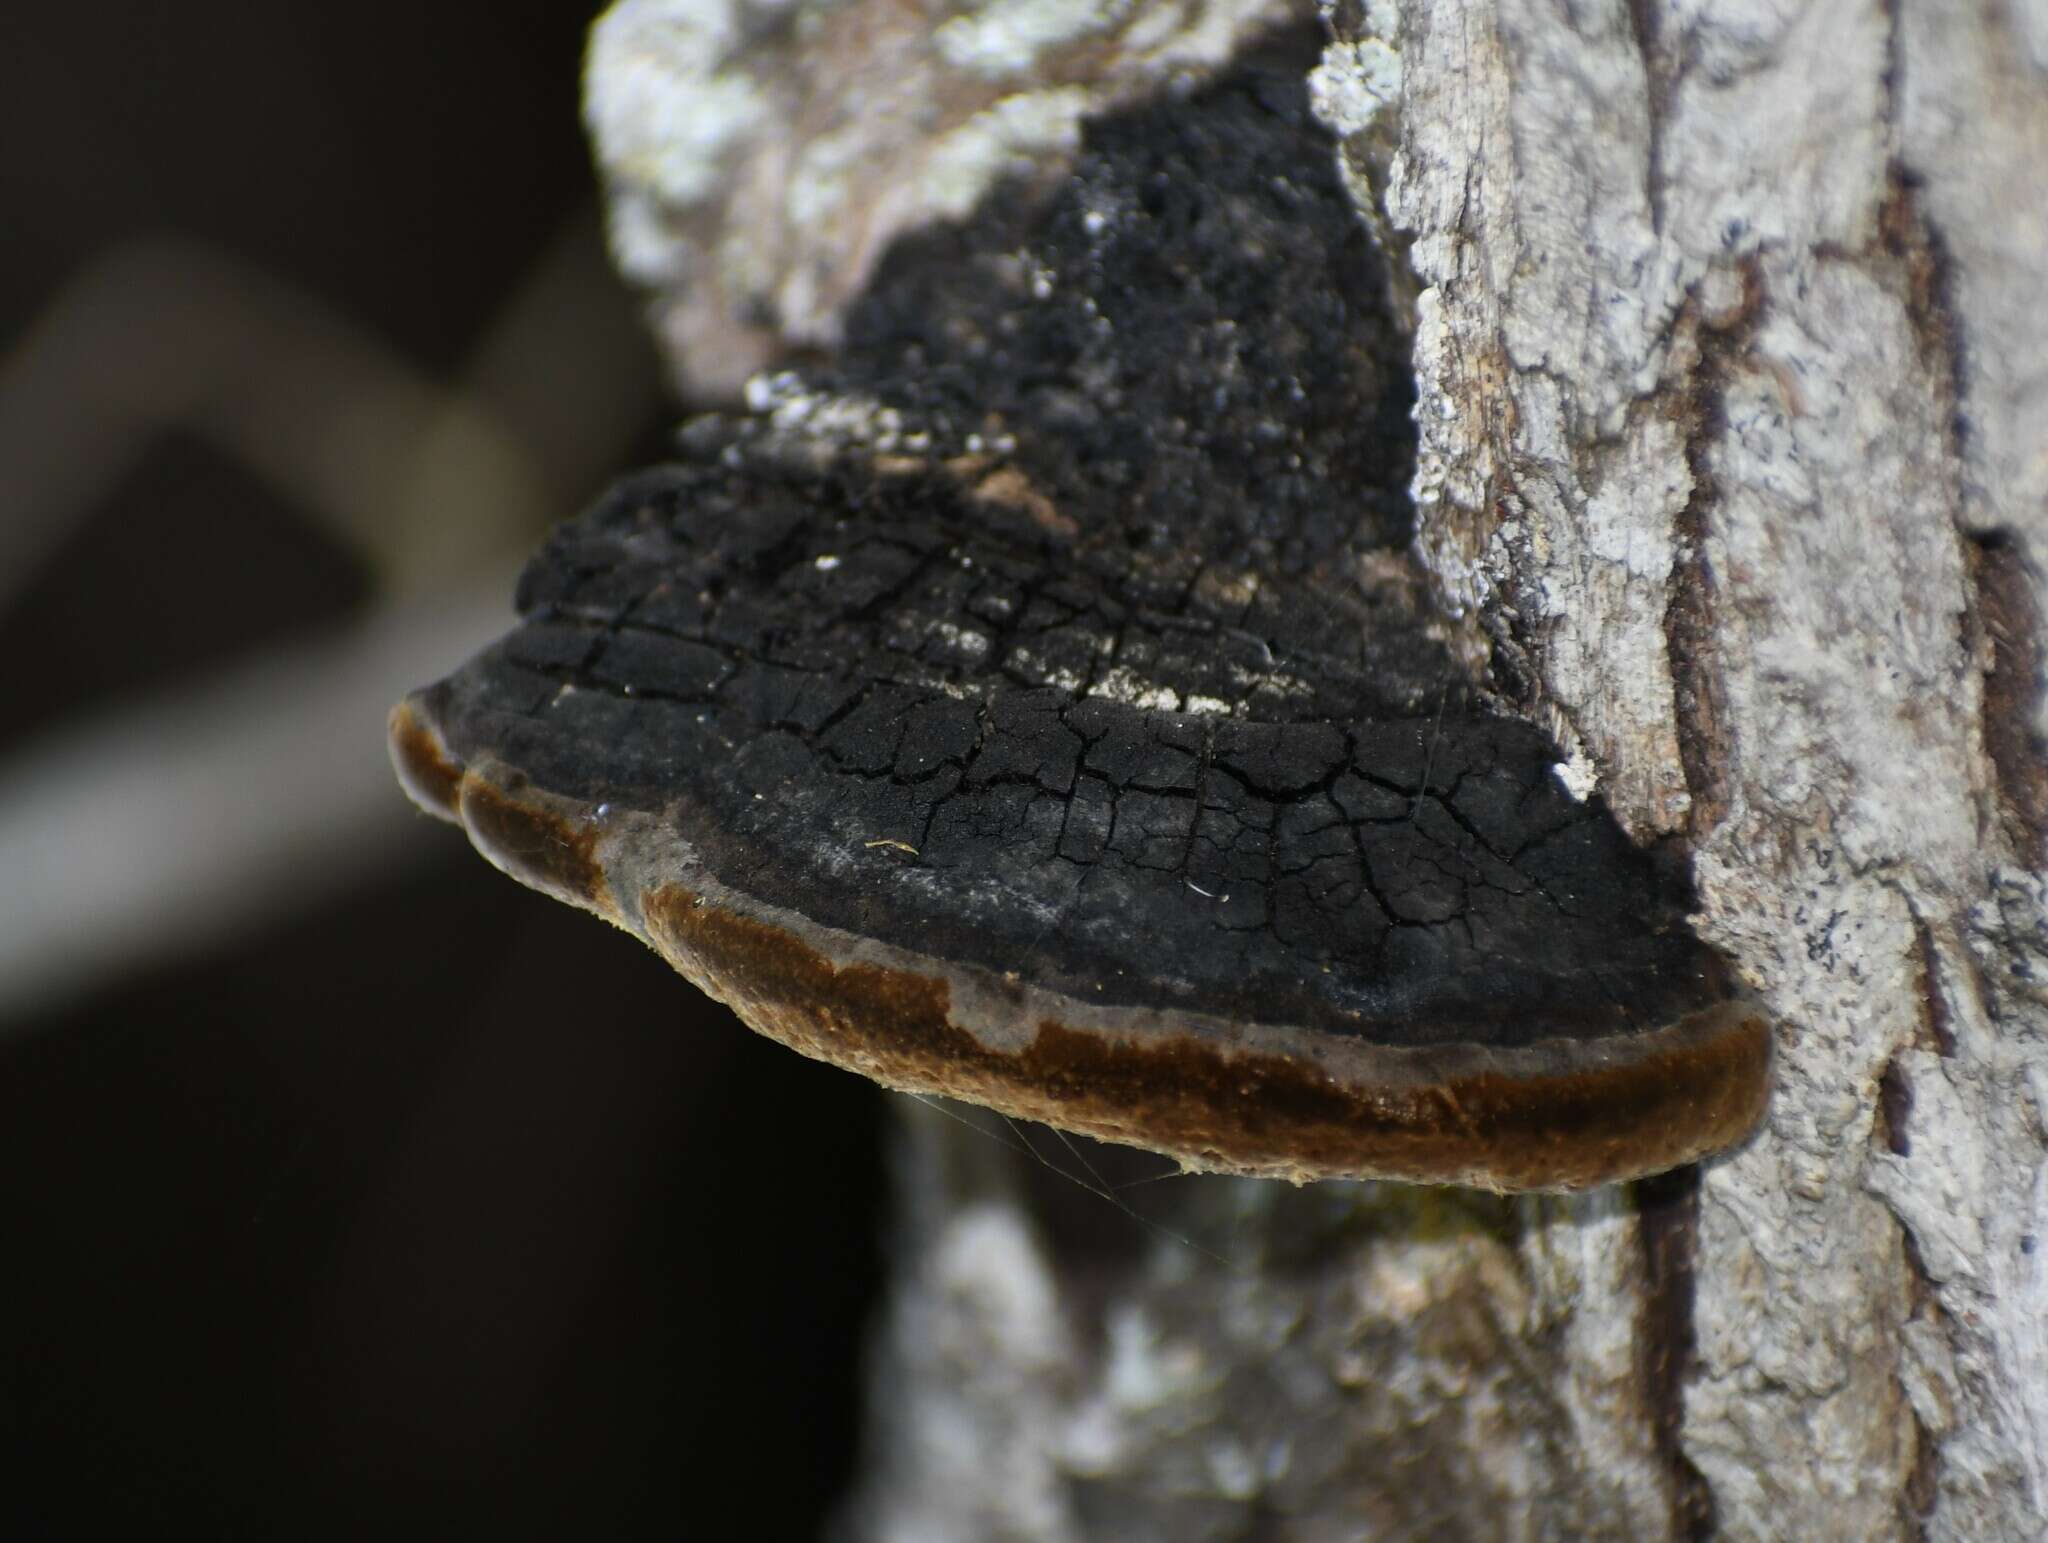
x=828, y=757
x=1031, y=704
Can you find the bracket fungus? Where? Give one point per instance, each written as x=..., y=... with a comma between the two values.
x=1032, y=705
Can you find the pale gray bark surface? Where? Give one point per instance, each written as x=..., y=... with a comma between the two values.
x=1731, y=330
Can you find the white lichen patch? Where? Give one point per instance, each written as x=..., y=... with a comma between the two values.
x=969, y=644
x=1026, y=664
x=1251, y=683
x=1578, y=775
x=796, y=413
x=1123, y=684
x=661, y=107
x=1006, y=38
x=1008, y=137
x=1355, y=84
x=821, y=183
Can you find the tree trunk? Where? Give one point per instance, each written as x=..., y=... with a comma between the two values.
x=1729, y=329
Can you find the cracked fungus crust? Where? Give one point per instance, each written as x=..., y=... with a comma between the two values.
x=1056, y=747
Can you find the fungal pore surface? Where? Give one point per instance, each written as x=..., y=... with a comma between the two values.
x=1034, y=704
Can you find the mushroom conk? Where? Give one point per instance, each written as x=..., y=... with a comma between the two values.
x=1063, y=732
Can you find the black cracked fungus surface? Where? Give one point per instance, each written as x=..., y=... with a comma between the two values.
x=1132, y=723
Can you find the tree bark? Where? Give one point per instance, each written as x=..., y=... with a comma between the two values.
x=1729, y=328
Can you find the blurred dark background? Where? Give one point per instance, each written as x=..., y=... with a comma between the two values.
x=344, y=1185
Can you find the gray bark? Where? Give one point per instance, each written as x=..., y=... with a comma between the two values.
x=1731, y=330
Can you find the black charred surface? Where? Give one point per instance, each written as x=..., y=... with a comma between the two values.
x=1190, y=342
x=1085, y=679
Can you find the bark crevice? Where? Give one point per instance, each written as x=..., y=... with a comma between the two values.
x=1668, y=1210
x=2008, y=623
x=1699, y=699
x=1923, y=1478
